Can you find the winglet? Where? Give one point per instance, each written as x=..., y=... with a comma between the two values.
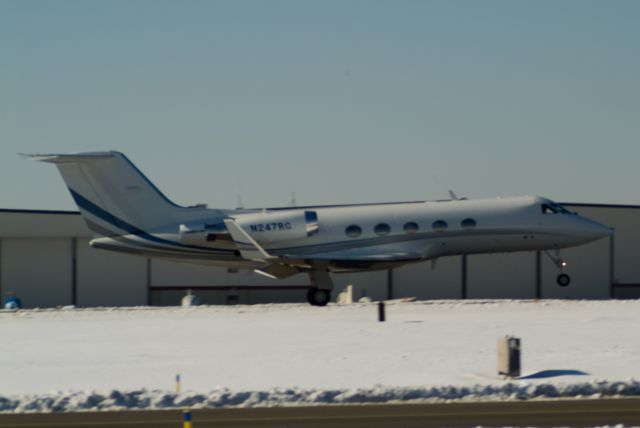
x=248, y=247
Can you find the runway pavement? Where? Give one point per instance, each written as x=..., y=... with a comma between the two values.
x=588, y=412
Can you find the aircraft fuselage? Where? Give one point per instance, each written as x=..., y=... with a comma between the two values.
x=364, y=237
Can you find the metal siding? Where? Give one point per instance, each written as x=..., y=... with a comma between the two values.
x=365, y=284
x=511, y=275
x=42, y=225
x=626, y=222
x=2, y=295
x=38, y=271
x=626, y=246
x=172, y=297
x=423, y=281
x=632, y=292
x=279, y=296
x=106, y=278
x=169, y=274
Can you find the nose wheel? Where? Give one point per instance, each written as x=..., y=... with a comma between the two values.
x=562, y=279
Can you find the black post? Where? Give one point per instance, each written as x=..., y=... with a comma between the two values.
x=538, y=275
x=381, y=317
x=612, y=261
x=149, y=282
x=74, y=271
x=390, y=284
x=1, y=290
x=463, y=292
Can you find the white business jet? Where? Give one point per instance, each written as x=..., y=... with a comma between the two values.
x=131, y=215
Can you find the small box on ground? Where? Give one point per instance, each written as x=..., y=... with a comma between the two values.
x=509, y=356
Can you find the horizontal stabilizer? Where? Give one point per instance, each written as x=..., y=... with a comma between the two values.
x=68, y=157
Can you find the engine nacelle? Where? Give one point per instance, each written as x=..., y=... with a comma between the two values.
x=203, y=233
x=277, y=226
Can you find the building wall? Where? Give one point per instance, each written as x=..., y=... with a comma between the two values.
x=105, y=278
x=365, y=284
x=627, y=236
x=39, y=271
x=42, y=224
x=491, y=276
x=170, y=281
x=228, y=296
x=426, y=280
x=168, y=274
x=625, y=270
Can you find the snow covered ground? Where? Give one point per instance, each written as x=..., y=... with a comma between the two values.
x=298, y=354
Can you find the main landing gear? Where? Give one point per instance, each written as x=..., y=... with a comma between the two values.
x=318, y=296
x=562, y=279
x=321, y=285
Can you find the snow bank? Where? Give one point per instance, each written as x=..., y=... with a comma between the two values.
x=144, y=399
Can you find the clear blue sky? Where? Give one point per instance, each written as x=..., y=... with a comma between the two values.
x=338, y=101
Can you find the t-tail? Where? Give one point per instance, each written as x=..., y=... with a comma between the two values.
x=113, y=196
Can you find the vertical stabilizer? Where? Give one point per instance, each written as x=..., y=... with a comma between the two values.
x=114, y=197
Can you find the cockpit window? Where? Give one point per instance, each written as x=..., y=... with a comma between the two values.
x=553, y=208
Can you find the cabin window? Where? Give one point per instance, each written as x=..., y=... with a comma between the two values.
x=353, y=231
x=468, y=223
x=439, y=225
x=382, y=229
x=411, y=227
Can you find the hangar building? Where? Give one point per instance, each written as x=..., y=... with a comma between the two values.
x=45, y=258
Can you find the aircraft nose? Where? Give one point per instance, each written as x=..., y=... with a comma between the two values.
x=592, y=230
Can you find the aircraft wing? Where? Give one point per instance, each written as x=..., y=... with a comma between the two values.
x=359, y=255
x=248, y=247
x=285, y=265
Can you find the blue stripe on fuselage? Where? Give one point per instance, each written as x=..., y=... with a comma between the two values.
x=117, y=222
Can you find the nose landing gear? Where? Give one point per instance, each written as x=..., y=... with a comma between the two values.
x=562, y=279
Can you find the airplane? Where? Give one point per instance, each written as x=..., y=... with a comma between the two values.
x=130, y=215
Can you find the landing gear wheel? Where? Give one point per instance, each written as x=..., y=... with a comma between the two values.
x=318, y=296
x=563, y=280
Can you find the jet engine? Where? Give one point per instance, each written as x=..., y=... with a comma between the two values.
x=202, y=233
x=264, y=227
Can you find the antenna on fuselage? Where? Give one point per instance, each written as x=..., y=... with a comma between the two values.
x=455, y=197
x=239, y=203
